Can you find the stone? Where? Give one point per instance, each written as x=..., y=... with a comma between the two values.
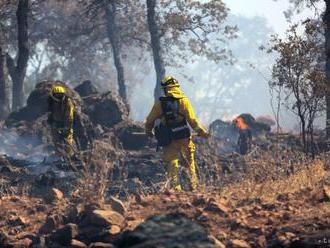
x=238, y=243
x=86, y=88
x=106, y=109
x=131, y=135
x=65, y=234
x=77, y=244
x=117, y=205
x=54, y=195
x=23, y=243
x=108, y=236
x=101, y=245
x=164, y=231
x=217, y=208
x=217, y=242
x=326, y=192
x=105, y=218
x=261, y=240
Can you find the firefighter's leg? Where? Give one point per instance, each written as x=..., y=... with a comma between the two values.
x=171, y=160
x=57, y=141
x=188, y=153
x=69, y=142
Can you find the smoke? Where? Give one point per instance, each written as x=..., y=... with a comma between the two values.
x=26, y=148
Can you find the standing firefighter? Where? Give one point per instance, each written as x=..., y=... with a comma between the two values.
x=173, y=133
x=60, y=119
x=245, y=136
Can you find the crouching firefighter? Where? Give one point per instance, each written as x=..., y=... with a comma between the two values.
x=60, y=119
x=173, y=133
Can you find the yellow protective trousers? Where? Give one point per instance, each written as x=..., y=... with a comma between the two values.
x=63, y=142
x=180, y=150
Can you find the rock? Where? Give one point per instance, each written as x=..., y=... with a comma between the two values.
x=54, y=195
x=108, y=236
x=18, y=221
x=105, y=218
x=165, y=231
x=238, y=243
x=198, y=201
x=86, y=88
x=4, y=239
x=217, y=208
x=326, y=193
x=52, y=222
x=23, y=243
x=262, y=242
x=65, y=234
x=117, y=205
x=131, y=135
x=217, y=242
x=77, y=244
x=31, y=120
x=37, y=104
x=101, y=245
x=107, y=109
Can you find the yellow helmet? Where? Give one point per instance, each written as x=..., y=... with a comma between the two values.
x=58, y=89
x=57, y=92
x=169, y=81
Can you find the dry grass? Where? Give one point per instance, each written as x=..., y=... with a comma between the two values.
x=307, y=178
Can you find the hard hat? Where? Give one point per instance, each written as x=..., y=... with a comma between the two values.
x=57, y=89
x=169, y=81
x=57, y=92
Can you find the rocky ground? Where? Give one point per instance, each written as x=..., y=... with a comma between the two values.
x=114, y=193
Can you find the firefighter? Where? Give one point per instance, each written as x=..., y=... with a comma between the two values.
x=245, y=136
x=176, y=117
x=60, y=119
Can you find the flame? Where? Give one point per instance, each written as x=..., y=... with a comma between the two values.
x=240, y=124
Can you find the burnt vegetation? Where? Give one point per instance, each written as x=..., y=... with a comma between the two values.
x=113, y=191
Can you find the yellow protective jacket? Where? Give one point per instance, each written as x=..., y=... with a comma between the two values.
x=185, y=109
x=62, y=112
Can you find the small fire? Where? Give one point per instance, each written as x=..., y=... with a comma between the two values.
x=240, y=124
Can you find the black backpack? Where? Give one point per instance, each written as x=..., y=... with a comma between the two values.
x=173, y=128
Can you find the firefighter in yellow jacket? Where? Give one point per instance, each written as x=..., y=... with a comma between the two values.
x=61, y=116
x=173, y=133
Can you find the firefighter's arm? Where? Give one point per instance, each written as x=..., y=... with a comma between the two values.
x=70, y=113
x=192, y=120
x=154, y=114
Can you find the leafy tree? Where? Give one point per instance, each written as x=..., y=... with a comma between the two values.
x=183, y=30
x=298, y=70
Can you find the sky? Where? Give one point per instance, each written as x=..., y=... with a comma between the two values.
x=273, y=11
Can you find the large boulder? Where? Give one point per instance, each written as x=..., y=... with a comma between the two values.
x=86, y=88
x=168, y=231
x=37, y=104
x=106, y=109
x=30, y=122
x=131, y=135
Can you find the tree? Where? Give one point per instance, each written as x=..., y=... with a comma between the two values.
x=298, y=4
x=182, y=31
x=156, y=47
x=17, y=70
x=298, y=70
x=4, y=88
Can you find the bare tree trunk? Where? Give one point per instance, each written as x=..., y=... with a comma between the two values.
x=112, y=30
x=327, y=42
x=303, y=134
x=4, y=89
x=17, y=72
x=156, y=48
